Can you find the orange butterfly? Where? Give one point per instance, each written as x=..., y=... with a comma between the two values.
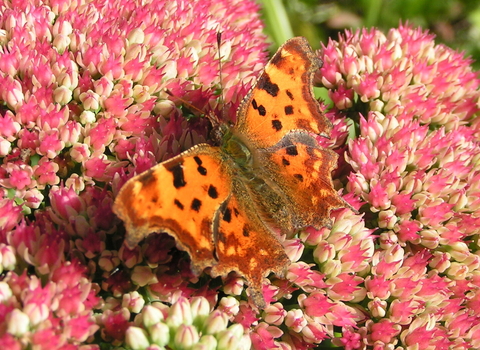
x=223, y=204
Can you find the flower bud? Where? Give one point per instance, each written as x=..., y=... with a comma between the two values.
x=18, y=323
x=159, y=333
x=180, y=313
x=185, y=336
x=216, y=322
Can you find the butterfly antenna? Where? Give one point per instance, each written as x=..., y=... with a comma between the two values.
x=219, y=46
x=212, y=117
x=184, y=102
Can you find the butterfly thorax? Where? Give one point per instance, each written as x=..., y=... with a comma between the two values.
x=237, y=149
x=250, y=181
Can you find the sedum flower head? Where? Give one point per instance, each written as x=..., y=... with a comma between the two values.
x=84, y=86
x=55, y=315
x=187, y=324
x=414, y=109
x=93, y=93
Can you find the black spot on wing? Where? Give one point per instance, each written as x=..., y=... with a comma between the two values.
x=292, y=150
x=266, y=84
x=277, y=125
x=288, y=110
x=260, y=108
x=178, y=204
x=289, y=94
x=246, y=231
x=212, y=192
x=196, y=204
x=299, y=177
x=201, y=170
x=285, y=162
x=227, y=216
x=178, y=175
x=236, y=212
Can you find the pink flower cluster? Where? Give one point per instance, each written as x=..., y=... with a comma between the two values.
x=414, y=170
x=52, y=315
x=84, y=106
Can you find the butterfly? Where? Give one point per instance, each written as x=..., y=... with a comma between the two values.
x=226, y=204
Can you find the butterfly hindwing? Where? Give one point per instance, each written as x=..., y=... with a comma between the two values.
x=245, y=245
x=306, y=179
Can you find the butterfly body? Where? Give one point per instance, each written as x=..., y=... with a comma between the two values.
x=224, y=204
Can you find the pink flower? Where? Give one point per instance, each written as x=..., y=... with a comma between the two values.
x=46, y=339
x=404, y=288
x=314, y=333
x=377, y=287
x=47, y=327
x=436, y=214
x=85, y=105
x=402, y=312
x=96, y=168
x=8, y=127
x=20, y=177
x=408, y=231
x=345, y=288
x=246, y=316
x=80, y=328
x=302, y=275
x=7, y=341
x=295, y=320
x=66, y=202
x=384, y=331
x=28, y=140
x=70, y=132
x=349, y=339
x=316, y=304
x=46, y=173
x=263, y=337
x=50, y=252
x=10, y=216
x=275, y=314
x=101, y=134
x=342, y=316
x=50, y=144
x=115, y=324
x=424, y=338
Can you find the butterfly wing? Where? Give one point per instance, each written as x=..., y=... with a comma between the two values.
x=245, y=245
x=306, y=180
x=191, y=197
x=282, y=99
x=179, y=196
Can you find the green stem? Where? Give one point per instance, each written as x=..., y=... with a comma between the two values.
x=276, y=19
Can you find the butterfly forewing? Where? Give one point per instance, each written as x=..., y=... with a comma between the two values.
x=282, y=99
x=179, y=196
